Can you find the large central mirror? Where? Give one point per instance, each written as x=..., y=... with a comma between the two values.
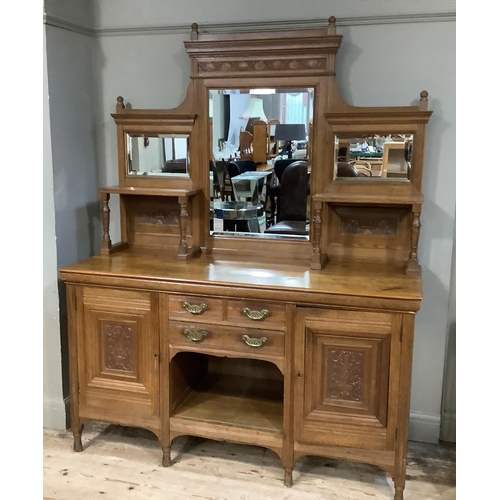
x=259, y=167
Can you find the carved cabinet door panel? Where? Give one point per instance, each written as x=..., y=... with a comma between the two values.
x=118, y=354
x=347, y=366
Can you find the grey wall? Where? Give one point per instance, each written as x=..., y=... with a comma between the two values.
x=71, y=211
x=139, y=54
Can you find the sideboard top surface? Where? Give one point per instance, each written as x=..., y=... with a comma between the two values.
x=287, y=281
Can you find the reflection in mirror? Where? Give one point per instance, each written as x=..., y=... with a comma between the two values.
x=256, y=135
x=373, y=156
x=158, y=155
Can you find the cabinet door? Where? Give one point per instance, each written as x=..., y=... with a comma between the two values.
x=118, y=354
x=347, y=365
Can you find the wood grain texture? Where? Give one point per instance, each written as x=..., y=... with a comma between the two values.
x=360, y=283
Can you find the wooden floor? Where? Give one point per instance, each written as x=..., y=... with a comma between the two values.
x=125, y=463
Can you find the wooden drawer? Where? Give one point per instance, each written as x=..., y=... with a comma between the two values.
x=226, y=339
x=256, y=314
x=195, y=308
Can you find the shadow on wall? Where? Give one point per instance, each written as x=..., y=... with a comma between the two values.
x=88, y=235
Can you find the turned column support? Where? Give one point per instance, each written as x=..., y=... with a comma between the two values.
x=184, y=216
x=185, y=252
x=106, y=239
x=317, y=259
x=412, y=266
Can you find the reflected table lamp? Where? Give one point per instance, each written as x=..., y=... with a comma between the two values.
x=289, y=132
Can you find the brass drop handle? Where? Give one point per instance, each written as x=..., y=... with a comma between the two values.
x=255, y=315
x=195, y=335
x=194, y=308
x=253, y=342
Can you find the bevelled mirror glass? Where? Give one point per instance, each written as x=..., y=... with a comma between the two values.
x=259, y=168
x=158, y=155
x=384, y=157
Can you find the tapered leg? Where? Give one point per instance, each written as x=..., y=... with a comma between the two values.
x=77, y=437
x=288, y=477
x=398, y=495
x=166, y=460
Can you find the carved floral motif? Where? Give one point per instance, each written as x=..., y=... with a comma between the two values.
x=345, y=375
x=118, y=347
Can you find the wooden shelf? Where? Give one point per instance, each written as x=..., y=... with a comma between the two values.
x=241, y=403
x=348, y=198
x=150, y=191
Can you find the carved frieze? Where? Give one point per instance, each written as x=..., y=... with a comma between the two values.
x=264, y=65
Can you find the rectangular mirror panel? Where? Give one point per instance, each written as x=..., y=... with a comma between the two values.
x=384, y=157
x=158, y=155
x=255, y=135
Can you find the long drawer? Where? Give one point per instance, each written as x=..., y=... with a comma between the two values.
x=226, y=339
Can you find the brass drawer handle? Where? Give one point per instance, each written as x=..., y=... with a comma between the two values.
x=195, y=335
x=256, y=315
x=194, y=308
x=253, y=342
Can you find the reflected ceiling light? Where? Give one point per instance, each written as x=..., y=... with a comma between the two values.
x=255, y=110
x=262, y=91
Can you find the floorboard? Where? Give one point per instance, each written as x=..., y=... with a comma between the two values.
x=125, y=463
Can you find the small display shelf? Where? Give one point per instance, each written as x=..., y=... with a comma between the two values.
x=183, y=196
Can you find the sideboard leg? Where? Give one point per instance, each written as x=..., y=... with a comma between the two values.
x=398, y=494
x=166, y=460
x=288, y=477
x=77, y=438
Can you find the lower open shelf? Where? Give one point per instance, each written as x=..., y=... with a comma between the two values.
x=238, y=408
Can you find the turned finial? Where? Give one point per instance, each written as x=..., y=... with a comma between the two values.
x=332, y=28
x=424, y=101
x=194, y=31
x=119, y=104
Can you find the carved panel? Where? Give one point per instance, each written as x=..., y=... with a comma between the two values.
x=118, y=347
x=272, y=65
x=373, y=223
x=169, y=217
x=345, y=375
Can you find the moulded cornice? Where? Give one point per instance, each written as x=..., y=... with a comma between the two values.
x=249, y=26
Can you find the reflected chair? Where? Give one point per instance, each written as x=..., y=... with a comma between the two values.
x=292, y=215
x=238, y=167
x=219, y=175
x=273, y=192
x=345, y=169
x=246, y=142
x=363, y=167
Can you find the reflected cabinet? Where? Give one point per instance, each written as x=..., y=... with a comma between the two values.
x=265, y=283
